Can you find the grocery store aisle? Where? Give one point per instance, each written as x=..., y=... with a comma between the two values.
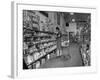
x=65, y=60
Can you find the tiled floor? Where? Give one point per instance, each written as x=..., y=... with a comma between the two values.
x=65, y=60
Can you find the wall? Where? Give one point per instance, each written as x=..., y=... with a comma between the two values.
x=42, y=18
x=51, y=17
x=53, y=21
x=72, y=28
x=62, y=24
x=5, y=40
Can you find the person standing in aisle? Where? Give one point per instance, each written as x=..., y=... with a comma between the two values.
x=59, y=49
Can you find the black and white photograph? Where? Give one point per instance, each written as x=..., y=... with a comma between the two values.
x=55, y=39
x=50, y=40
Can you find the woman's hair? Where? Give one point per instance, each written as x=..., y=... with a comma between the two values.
x=57, y=28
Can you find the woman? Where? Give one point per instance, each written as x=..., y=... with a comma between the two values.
x=59, y=50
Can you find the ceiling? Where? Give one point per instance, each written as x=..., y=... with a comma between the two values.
x=79, y=17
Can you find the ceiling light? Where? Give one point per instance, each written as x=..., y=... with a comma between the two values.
x=73, y=20
x=71, y=13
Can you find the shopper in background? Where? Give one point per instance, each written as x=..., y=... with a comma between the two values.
x=59, y=50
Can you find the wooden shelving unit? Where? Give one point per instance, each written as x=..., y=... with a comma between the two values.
x=37, y=44
x=47, y=40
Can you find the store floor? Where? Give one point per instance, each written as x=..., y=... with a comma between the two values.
x=65, y=60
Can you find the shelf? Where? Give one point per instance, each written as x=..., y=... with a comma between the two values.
x=42, y=56
x=85, y=54
x=39, y=31
x=36, y=36
x=31, y=31
x=42, y=49
x=40, y=42
x=40, y=36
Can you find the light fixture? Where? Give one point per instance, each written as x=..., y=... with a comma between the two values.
x=73, y=20
x=71, y=13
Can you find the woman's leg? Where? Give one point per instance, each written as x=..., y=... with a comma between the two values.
x=57, y=52
x=60, y=52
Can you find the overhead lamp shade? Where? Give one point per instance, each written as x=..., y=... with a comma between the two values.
x=71, y=13
x=73, y=20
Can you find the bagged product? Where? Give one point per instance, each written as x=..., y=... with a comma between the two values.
x=48, y=56
x=29, y=59
x=36, y=55
x=37, y=64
